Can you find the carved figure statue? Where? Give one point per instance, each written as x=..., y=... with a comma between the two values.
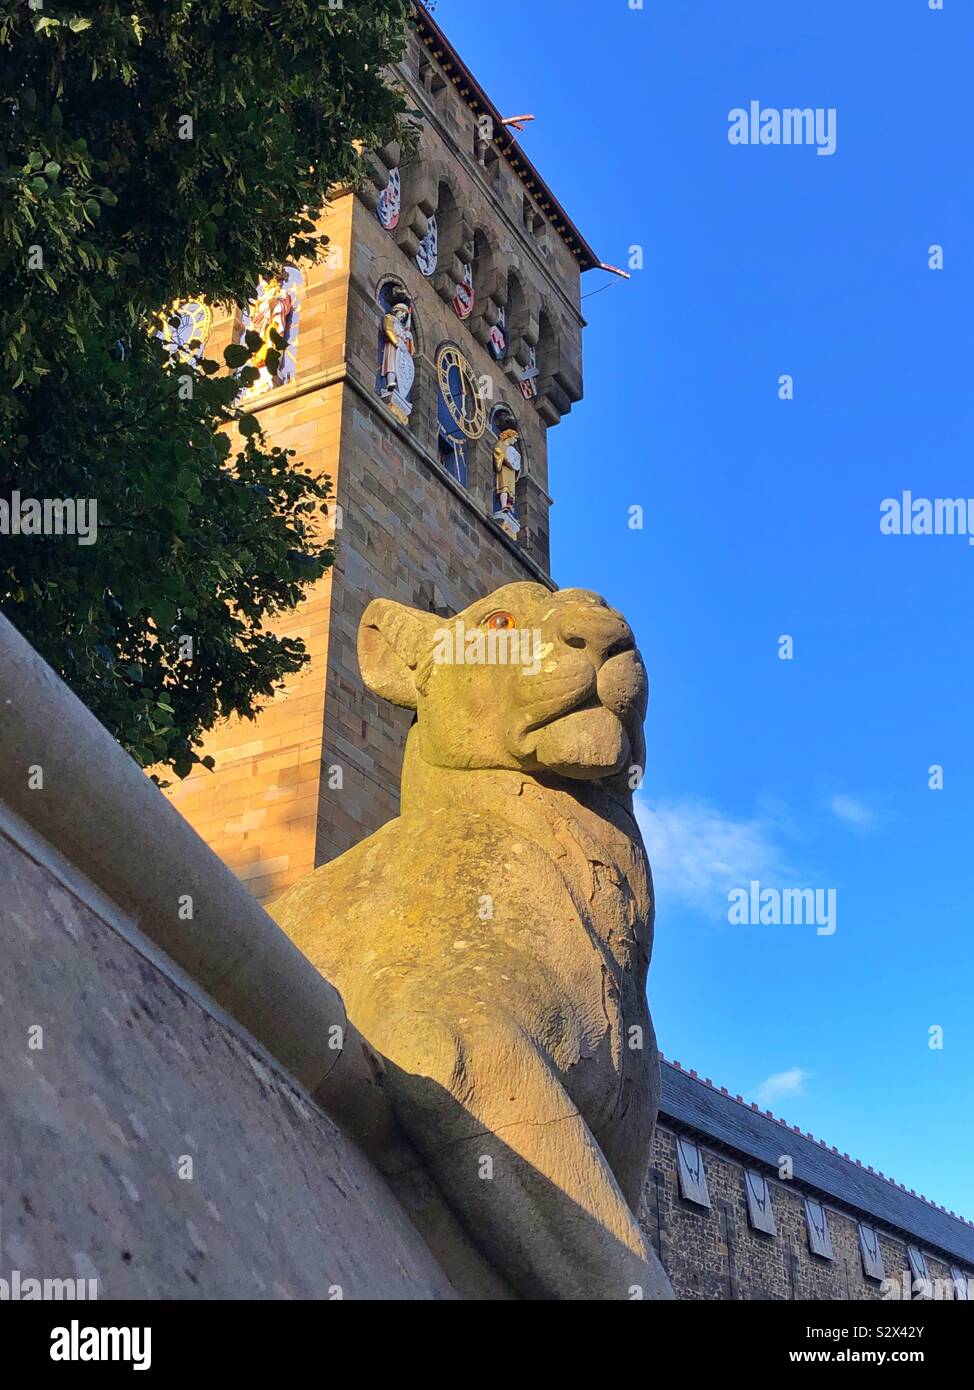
x=269, y=313
x=491, y=943
x=397, y=370
x=507, y=465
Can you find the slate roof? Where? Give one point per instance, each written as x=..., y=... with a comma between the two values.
x=723, y=1121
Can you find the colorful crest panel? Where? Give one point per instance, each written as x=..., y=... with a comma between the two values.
x=497, y=341
x=429, y=248
x=388, y=207
x=463, y=299
x=275, y=309
x=528, y=379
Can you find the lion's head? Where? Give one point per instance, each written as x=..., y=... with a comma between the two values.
x=524, y=679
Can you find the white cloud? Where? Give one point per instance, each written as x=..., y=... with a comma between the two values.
x=851, y=811
x=698, y=854
x=781, y=1084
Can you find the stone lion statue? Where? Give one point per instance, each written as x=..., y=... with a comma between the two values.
x=492, y=942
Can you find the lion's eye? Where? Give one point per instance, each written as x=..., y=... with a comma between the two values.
x=500, y=621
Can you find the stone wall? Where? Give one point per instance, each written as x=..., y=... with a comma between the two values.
x=161, y=1042
x=150, y=1146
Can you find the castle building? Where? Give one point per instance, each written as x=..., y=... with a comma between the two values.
x=426, y=359
x=740, y=1205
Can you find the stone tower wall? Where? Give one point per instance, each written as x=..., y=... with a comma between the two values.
x=258, y=810
x=319, y=769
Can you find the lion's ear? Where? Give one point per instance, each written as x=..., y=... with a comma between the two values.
x=392, y=641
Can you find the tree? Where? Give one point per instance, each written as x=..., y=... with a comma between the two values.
x=155, y=150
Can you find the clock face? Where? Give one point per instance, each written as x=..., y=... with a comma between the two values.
x=461, y=394
x=194, y=326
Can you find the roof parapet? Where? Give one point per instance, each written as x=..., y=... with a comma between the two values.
x=807, y=1134
x=473, y=94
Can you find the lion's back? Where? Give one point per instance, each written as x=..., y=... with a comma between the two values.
x=446, y=911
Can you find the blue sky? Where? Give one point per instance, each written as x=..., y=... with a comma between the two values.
x=761, y=518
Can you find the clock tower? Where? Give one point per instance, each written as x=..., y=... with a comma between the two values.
x=427, y=358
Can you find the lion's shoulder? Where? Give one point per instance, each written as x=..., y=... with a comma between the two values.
x=414, y=881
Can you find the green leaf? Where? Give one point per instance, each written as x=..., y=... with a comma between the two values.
x=235, y=355
x=164, y=612
x=196, y=521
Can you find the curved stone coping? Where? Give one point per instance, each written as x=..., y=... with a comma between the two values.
x=96, y=806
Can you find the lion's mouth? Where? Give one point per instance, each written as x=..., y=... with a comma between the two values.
x=581, y=697
x=589, y=742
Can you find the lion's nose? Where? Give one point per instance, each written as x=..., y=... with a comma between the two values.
x=597, y=631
